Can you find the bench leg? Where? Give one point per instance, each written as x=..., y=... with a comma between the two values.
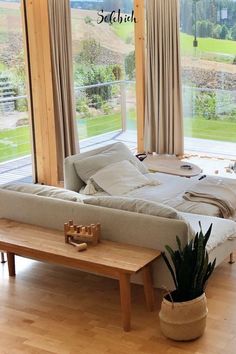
x=3, y=260
x=11, y=264
x=148, y=287
x=231, y=258
x=125, y=299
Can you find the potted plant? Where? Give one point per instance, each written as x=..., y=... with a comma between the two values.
x=184, y=310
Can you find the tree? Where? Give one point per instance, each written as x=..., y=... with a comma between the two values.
x=202, y=29
x=130, y=65
x=217, y=31
x=210, y=28
x=224, y=32
x=89, y=53
x=233, y=33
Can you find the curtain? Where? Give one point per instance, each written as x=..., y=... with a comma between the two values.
x=163, y=103
x=62, y=75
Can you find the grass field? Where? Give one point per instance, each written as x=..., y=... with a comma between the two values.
x=124, y=30
x=220, y=130
x=14, y=143
x=90, y=127
x=207, y=45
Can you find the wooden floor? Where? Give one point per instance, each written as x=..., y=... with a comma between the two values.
x=51, y=309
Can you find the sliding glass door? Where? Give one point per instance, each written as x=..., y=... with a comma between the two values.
x=104, y=71
x=15, y=147
x=208, y=47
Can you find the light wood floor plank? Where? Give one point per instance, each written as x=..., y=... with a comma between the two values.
x=51, y=309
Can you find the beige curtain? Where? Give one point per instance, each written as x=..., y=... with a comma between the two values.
x=163, y=106
x=62, y=73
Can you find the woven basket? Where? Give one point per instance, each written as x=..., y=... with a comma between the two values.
x=183, y=321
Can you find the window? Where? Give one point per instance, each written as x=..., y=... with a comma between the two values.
x=15, y=147
x=104, y=72
x=208, y=42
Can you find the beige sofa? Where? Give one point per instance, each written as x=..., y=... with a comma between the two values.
x=117, y=225
x=128, y=227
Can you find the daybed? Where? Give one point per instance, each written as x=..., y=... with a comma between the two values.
x=51, y=207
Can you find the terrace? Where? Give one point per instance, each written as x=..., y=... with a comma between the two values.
x=100, y=123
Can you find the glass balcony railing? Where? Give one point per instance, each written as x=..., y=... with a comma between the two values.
x=104, y=108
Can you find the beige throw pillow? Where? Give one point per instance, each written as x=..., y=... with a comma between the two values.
x=45, y=191
x=88, y=166
x=120, y=178
x=135, y=205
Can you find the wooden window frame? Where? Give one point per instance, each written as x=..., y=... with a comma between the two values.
x=40, y=88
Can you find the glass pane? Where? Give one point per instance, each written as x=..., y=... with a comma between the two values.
x=15, y=147
x=208, y=44
x=104, y=71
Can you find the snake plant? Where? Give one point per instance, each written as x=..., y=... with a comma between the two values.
x=191, y=267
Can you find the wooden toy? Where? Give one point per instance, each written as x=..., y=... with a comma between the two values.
x=80, y=233
x=80, y=246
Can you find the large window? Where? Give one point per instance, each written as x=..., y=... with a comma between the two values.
x=208, y=44
x=104, y=71
x=15, y=149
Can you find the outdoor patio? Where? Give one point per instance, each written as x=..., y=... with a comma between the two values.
x=20, y=170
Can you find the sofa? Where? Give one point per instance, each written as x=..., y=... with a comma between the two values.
x=44, y=209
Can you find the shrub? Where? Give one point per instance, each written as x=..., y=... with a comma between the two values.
x=107, y=109
x=117, y=72
x=89, y=53
x=205, y=103
x=96, y=101
x=88, y=20
x=217, y=31
x=22, y=105
x=130, y=65
x=82, y=106
x=224, y=32
x=233, y=33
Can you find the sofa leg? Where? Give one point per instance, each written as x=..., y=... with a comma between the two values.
x=231, y=258
x=3, y=260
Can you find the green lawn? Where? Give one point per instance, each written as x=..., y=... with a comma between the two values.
x=210, y=45
x=207, y=45
x=89, y=127
x=14, y=143
x=124, y=30
x=210, y=129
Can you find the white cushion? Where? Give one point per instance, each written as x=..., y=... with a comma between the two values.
x=135, y=205
x=88, y=166
x=120, y=178
x=45, y=191
x=222, y=229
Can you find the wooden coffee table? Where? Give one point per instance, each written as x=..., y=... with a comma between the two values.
x=107, y=258
x=171, y=165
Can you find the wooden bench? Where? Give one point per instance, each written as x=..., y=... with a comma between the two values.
x=107, y=258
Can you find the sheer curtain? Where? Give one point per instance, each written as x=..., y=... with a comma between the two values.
x=163, y=106
x=62, y=74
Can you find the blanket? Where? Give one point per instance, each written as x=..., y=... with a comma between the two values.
x=217, y=192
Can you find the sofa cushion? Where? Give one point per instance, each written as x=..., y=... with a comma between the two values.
x=120, y=178
x=135, y=205
x=88, y=166
x=45, y=191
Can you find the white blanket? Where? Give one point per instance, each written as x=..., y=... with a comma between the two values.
x=171, y=191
